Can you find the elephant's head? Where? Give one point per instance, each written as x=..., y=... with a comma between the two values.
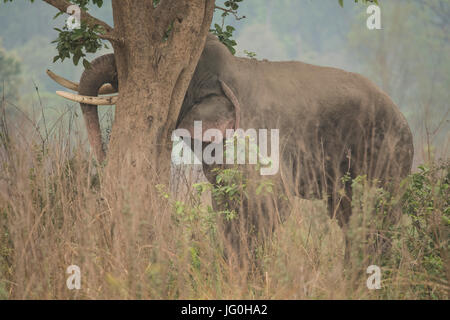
x=210, y=98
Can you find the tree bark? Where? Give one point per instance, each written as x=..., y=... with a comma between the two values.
x=156, y=58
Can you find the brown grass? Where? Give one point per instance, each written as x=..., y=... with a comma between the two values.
x=56, y=210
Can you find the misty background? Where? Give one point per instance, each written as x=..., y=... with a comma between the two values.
x=409, y=58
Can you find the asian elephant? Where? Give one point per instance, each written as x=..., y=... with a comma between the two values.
x=332, y=123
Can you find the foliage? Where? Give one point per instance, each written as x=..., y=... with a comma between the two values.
x=250, y=54
x=76, y=42
x=427, y=204
x=225, y=36
x=225, y=33
x=413, y=222
x=10, y=70
x=79, y=41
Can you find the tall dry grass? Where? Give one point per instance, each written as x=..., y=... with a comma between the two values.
x=57, y=210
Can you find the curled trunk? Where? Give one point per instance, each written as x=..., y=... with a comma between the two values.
x=102, y=71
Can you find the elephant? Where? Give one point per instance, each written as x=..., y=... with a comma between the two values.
x=332, y=123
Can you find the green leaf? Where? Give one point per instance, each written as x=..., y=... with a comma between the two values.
x=86, y=64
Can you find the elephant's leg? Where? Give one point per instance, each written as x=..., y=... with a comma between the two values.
x=257, y=216
x=340, y=207
x=241, y=234
x=232, y=231
x=343, y=218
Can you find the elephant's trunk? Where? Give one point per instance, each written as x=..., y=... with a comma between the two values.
x=102, y=70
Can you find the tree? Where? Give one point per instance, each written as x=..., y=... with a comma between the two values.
x=9, y=75
x=157, y=45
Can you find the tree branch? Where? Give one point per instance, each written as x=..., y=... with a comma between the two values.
x=111, y=37
x=91, y=21
x=233, y=12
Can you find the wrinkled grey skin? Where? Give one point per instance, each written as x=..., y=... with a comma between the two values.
x=331, y=122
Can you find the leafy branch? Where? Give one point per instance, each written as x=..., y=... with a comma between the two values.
x=225, y=33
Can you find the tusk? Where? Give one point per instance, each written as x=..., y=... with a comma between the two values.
x=105, y=89
x=64, y=82
x=96, y=101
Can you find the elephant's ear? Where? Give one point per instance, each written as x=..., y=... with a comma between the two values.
x=220, y=112
x=234, y=100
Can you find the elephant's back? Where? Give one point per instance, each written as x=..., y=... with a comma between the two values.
x=315, y=106
x=291, y=94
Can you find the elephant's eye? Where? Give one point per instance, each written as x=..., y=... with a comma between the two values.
x=205, y=97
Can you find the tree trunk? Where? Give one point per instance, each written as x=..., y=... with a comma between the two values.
x=156, y=55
